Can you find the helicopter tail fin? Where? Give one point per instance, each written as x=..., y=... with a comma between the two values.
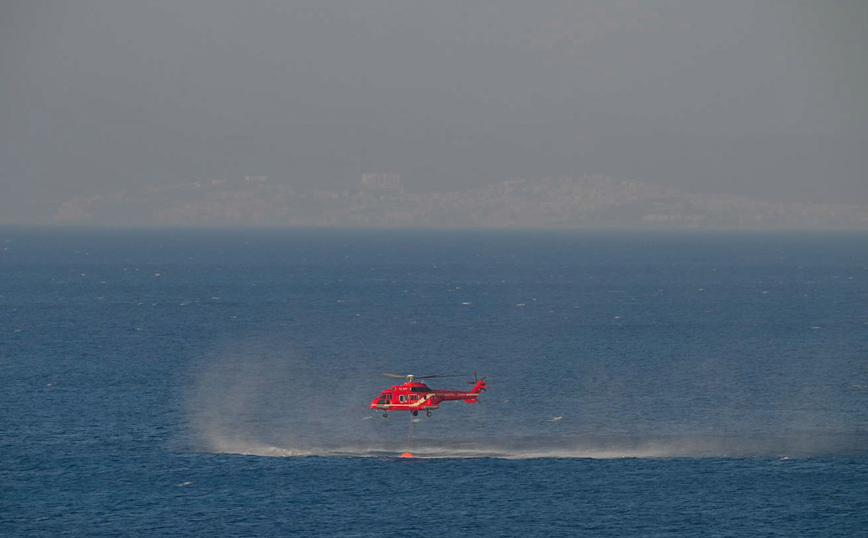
x=477, y=389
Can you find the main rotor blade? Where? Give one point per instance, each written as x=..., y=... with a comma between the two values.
x=407, y=377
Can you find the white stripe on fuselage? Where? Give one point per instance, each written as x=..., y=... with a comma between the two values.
x=457, y=394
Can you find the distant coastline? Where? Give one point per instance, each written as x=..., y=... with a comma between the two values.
x=588, y=202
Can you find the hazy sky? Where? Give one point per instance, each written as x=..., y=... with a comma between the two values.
x=762, y=98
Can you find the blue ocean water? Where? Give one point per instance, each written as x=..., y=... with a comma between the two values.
x=216, y=383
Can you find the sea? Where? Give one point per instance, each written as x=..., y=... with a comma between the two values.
x=217, y=382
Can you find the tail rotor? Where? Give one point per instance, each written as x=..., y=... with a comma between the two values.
x=476, y=378
x=478, y=383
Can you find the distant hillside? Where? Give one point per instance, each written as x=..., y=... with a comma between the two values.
x=567, y=203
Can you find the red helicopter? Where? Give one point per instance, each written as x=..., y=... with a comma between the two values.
x=415, y=396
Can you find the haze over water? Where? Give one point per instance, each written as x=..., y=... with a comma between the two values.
x=103, y=98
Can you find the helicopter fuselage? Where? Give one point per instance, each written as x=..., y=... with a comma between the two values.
x=415, y=396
